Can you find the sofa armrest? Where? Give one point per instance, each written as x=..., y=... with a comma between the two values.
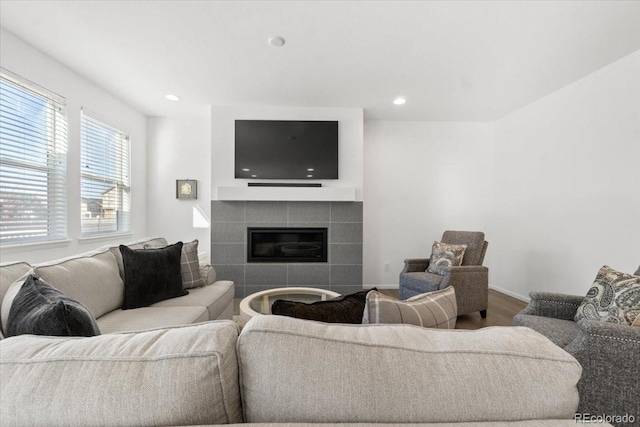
x=558, y=306
x=208, y=274
x=413, y=265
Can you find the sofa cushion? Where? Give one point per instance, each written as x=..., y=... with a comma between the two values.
x=418, y=372
x=189, y=264
x=92, y=279
x=342, y=309
x=143, y=318
x=40, y=309
x=137, y=244
x=215, y=298
x=614, y=297
x=151, y=275
x=177, y=376
x=445, y=255
x=436, y=309
x=562, y=332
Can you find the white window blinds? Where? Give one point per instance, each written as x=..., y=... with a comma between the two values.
x=105, y=186
x=33, y=158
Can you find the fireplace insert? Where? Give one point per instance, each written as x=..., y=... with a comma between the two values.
x=286, y=244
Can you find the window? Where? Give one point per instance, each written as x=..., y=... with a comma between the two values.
x=33, y=162
x=105, y=188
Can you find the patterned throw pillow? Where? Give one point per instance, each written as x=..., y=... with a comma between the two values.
x=444, y=255
x=435, y=309
x=189, y=264
x=614, y=298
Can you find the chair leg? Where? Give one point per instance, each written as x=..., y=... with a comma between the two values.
x=483, y=314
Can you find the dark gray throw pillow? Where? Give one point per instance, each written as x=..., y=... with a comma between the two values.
x=151, y=275
x=40, y=309
x=343, y=309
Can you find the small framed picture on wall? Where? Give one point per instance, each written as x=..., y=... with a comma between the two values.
x=186, y=189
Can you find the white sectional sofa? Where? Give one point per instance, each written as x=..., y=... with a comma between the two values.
x=96, y=280
x=290, y=372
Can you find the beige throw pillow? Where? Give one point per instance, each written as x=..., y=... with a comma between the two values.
x=436, y=309
x=445, y=255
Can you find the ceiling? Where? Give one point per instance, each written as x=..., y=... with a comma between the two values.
x=452, y=60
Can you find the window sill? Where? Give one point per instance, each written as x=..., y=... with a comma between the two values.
x=98, y=237
x=58, y=242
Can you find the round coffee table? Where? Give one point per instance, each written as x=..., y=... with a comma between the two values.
x=260, y=302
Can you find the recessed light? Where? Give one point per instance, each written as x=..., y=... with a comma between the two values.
x=254, y=176
x=310, y=170
x=400, y=101
x=276, y=41
x=309, y=176
x=245, y=170
x=173, y=97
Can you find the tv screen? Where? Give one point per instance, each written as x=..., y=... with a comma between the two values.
x=274, y=149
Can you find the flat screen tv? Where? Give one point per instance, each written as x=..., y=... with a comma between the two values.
x=276, y=149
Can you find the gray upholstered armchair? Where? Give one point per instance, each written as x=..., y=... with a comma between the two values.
x=470, y=280
x=609, y=353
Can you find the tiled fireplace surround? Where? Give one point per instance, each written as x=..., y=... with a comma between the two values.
x=341, y=273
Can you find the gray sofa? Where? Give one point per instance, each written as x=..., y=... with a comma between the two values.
x=286, y=371
x=609, y=353
x=96, y=280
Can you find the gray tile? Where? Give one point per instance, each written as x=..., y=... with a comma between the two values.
x=345, y=290
x=346, y=275
x=270, y=275
x=228, y=232
x=228, y=253
x=309, y=211
x=309, y=275
x=266, y=211
x=345, y=232
x=235, y=273
x=227, y=211
x=346, y=211
x=258, y=224
x=345, y=253
x=308, y=224
x=239, y=292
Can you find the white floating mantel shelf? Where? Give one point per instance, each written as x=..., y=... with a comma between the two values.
x=318, y=194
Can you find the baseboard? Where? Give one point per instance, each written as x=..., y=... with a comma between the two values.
x=511, y=294
x=391, y=286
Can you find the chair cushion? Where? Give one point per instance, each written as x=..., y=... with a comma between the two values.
x=474, y=241
x=151, y=275
x=40, y=309
x=561, y=332
x=430, y=310
x=614, y=297
x=186, y=375
x=421, y=282
x=445, y=255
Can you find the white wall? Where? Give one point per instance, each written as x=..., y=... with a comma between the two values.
x=28, y=62
x=422, y=178
x=567, y=185
x=349, y=134
x=179, y=148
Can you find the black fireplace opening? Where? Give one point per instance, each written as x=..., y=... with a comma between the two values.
x=286, y=244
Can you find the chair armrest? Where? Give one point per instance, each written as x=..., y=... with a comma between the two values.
x=208, y=274
x=415, y=264
x=558, y=306
x=464, y=269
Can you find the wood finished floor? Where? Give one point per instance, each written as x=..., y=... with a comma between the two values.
x=501, y=310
